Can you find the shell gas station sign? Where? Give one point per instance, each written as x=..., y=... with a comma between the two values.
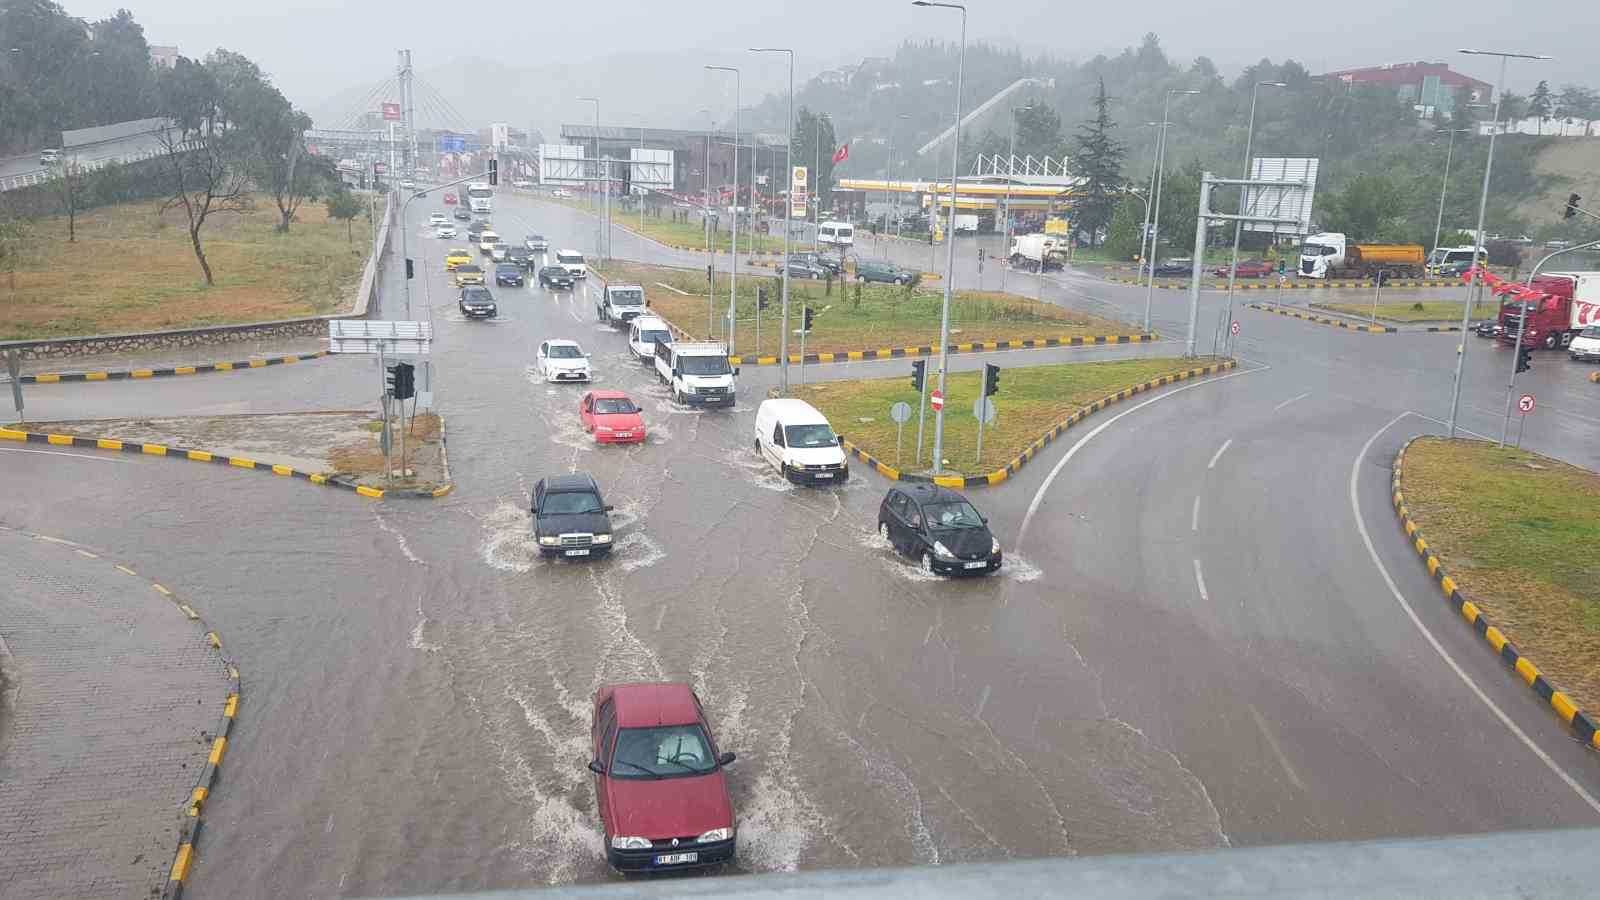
x=798, y=189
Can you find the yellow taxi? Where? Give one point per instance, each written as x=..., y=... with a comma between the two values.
x=457, y=256
x=468, y=273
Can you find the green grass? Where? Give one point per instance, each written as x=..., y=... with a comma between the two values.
x=887, y=316
x=1031, y=400
x=1429, y=311
x=1517, y=531
x=692, y=234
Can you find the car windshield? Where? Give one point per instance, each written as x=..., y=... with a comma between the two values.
x=705, y=365
x=606, y=405
x=564, y=351
x=1316, y=250
x=655, y=336
x=571, y=259
x=468, y=269
x=506, y=269
x=555, y=271
x=536, y=238
x=663, y=752
x=952, y=514
x=633, y=297
x=571, y=503
x=476, y=293
x=809, y=436
x=1593, y=331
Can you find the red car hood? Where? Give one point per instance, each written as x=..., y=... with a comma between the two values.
x=669, y=807
x=619, y=421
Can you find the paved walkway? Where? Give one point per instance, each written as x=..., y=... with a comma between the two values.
x=109, y=689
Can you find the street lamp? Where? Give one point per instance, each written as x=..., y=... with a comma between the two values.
x=1483, y=206
x=1155, y=216
x=1444, y=184
x=1238, y=226
x=950, y=243
x=733, y=267
x=788, y=214
x=1011, y=163
x=897, y=215
x=1144, y=233
x=605, y=183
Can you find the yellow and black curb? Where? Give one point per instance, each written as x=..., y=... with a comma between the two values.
x=206, y=456
x=1292, y=286
x=130, y=374
x=1584, y=726
x=1324, y=320
x=1026, y=456
x=925, y=350
x=205, y=783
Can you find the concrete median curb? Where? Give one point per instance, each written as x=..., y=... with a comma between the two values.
x=206, y=456
x=1583, y=726
x=127, y=374
x=1325, y=320
x=1026, y=456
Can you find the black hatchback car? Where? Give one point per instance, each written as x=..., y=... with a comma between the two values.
x=477, y=302
x=508, y=273
x=570, y=517
x=556, y=277
x=938, y=528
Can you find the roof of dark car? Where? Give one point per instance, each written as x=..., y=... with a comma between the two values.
x=929, y=493
x=579, y=482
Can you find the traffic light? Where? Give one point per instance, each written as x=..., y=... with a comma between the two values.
x=919, y=371
x=409, y=270
x=1280, y=267
x=627, y=179
x=761, y=297
x=805, y=319
x=1572, y=206
x=494, y=171
x=1524, y=359
x=991, y=379
x=401, y=380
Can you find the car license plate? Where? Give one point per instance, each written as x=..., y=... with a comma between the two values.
x=673, y=859
x=624, y=434
x=976, y=565
x=824, y=475
x=582, y=552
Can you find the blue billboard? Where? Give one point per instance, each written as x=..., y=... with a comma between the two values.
x=452, y=144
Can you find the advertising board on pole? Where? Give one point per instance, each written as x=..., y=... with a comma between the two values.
x=798, y=188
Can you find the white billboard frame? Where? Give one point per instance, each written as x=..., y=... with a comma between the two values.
x=651, y=169
x=562, y=165
x=1290, y=201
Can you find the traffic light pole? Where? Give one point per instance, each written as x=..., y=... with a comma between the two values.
x=1511, y=383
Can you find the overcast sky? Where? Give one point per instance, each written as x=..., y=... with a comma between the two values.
x=317, y=50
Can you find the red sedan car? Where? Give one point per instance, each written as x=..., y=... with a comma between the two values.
x=612, y=417
x=449, y=199
x=1252, y=268
x=659, y=779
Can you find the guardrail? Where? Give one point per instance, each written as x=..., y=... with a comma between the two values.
x=29, y=179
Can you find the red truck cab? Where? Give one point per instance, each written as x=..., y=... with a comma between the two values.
x=1555, y=318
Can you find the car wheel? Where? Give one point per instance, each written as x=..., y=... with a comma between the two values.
x=1552, y=340
x=883, y=532
x=677, y=397
x=927, y=563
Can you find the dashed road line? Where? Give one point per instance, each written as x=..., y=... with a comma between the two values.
x=1200, y=582
x=1218, y=455
x=1194, y=515
x=1280, y=406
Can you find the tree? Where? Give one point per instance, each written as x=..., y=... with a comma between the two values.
x=1540, y=103
x=814, y=144
x=1122, y=236
x=1367, y=209
x=14, y=238
x=345, y=206
x=202, y=161
x=1099, y=163
x=68, y=185
x=281, y=162
x=1577, y=102
x=1513, y=107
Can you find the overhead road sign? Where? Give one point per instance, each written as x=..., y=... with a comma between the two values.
x=388, y=337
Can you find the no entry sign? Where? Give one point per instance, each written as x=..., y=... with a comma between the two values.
x=936, y=400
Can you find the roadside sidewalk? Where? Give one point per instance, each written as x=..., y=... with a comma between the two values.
x=113, y=695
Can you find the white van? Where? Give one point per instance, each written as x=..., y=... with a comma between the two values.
x=644, y=333
x=798, y=441
x=572, y=261
x=836, y=234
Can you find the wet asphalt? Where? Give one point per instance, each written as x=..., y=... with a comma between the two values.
x=1190, y=645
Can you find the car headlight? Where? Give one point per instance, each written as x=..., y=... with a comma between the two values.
x=716, y=834
x=688, y=389
x=602, y=539
x=549, y=540
x=606, y=428
x=994, y=545
x=939, y=549
x=630, y=843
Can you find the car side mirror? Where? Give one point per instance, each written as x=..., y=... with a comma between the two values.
x=735, y=370
x=610, y=508
x=840, y=438
x=726, y=758
x=597, y=767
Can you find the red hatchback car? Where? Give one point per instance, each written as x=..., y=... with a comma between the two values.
x=659, y=779
x=612, y=417
x=1248, y=268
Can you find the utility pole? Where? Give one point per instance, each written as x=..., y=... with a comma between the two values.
x=733, y=267
x=788, y=219
x=1238, y=227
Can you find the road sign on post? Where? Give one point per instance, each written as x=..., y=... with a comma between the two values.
x=1234, y=328
x=983, y=411
x=936, y=400
x=900, y=412
x=1525, y=403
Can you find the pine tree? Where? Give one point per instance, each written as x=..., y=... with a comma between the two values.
x=1098, y=161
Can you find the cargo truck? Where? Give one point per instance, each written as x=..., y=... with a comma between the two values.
x=1329, y=255
x=1036, y=252
x=1571, y=304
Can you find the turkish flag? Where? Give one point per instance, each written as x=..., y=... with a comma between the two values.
x=841, y=154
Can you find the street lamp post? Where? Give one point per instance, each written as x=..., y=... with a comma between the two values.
x=1144, y=233
x=788, y=214
x=733, y=267
x=1238, y=227
x=897, y=216
x=1444, y=184
x=1011, y=162
x=1477, y=235
x=599, y=240
x=1155, y=215
x=950, y=244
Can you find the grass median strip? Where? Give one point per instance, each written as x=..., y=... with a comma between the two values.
x=886, y=316
x=1421, y=311
x=1031, y=400
x=1517, y=532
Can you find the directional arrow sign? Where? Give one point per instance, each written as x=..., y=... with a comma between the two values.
x=936, y=400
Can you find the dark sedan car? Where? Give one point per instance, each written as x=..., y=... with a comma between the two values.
x=477, y=303
x=569, y=516
x=508, y=274
x=1175, y=268
x=556, y=277
x=938, y=528
x=522, y=256
x=799, y=268
x=880, y=271
x=461, y=215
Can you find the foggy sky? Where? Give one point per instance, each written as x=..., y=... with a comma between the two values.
x=643, y=56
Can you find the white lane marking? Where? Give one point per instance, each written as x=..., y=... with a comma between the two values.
x=1200, y=582
x=672, y=289
x=59, y=453
x=1361, y=526
x=1194, y=515
x=1277, y=751
x=1038, y=496
x=1218, y=455
x=1291, y=400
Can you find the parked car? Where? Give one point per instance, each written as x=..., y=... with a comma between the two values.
x=469, y=274
x=461, y=215
x=1175, y=268
x=556, y=277
x=870, y=270
x=799, y=268
x=938, y=527
x=508, y=274
x=438, y=219
x=1251, y=268
x=477, y=302
x=536, y=242
x=612, y=417
x=562, y=360
x=445, y=231
x=455, y=258
x=659, y=780
x=798, y=441
x=569, y=517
